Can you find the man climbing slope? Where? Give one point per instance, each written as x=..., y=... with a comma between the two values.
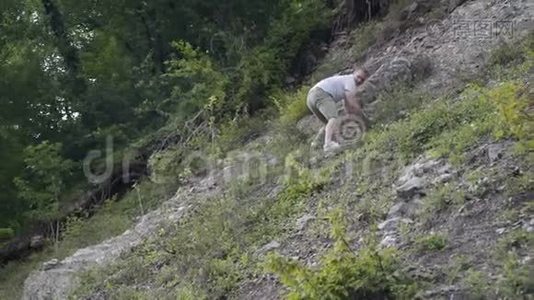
x=323, y=100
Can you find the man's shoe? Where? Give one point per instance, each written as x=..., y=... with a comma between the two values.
x=331, y=147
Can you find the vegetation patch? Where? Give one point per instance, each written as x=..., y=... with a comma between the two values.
x=112, y=219
x=368, y=273
x=431, y=242
x=214, y=248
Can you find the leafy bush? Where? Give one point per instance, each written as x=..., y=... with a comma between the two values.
x=196, y=83
x=262, y=69
x=517, y=281
x=512, y=103
x=368, y=274
x=45, y=180
x=6, y=233
x=291, y=106
x=431, y=242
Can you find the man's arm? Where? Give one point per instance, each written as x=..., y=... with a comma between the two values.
x=354, y=110
x=352, y=104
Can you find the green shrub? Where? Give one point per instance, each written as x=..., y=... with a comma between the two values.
x=517, y=281
x=196, y=83
x=299, y=188
x=291, y=106
x=6, y=233
x=512, y=102
x=343, y=274
x=442, y=197
x=45, y=180
x=432, y=242
x=190, y=293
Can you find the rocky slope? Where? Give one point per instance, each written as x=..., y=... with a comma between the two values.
x=436, y=56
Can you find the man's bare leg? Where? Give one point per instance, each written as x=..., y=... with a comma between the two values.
x=319, y=138
x=331, y=128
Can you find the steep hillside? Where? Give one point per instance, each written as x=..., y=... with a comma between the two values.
x=435, y=202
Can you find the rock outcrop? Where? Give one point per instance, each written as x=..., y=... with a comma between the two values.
x=56, y=279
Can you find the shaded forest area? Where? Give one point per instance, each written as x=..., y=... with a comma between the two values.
x=75, y=73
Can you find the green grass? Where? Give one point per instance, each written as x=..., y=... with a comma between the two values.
x=478, y=284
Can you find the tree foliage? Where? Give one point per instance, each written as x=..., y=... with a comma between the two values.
x=75, y=72
x=44, y=179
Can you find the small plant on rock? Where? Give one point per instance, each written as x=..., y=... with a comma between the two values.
x=432, y=242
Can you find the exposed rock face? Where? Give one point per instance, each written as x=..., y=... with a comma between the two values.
x=303, y=221
x=399, y=69
x=410, y=187
x=56, y=279
x=455, y=46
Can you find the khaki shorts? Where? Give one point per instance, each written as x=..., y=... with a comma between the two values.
x=322, y=105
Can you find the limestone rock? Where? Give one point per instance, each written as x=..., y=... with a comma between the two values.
x=57, y=279
x=303, y=221
x=411, y=187
x=391, y=225
x=397, y=210
x=443, y=178
x=50, y=264
x=495, y=152
x=399, y=69
x=388, y=241
x=267, y=248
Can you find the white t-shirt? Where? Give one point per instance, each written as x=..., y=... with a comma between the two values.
x=338, y=85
